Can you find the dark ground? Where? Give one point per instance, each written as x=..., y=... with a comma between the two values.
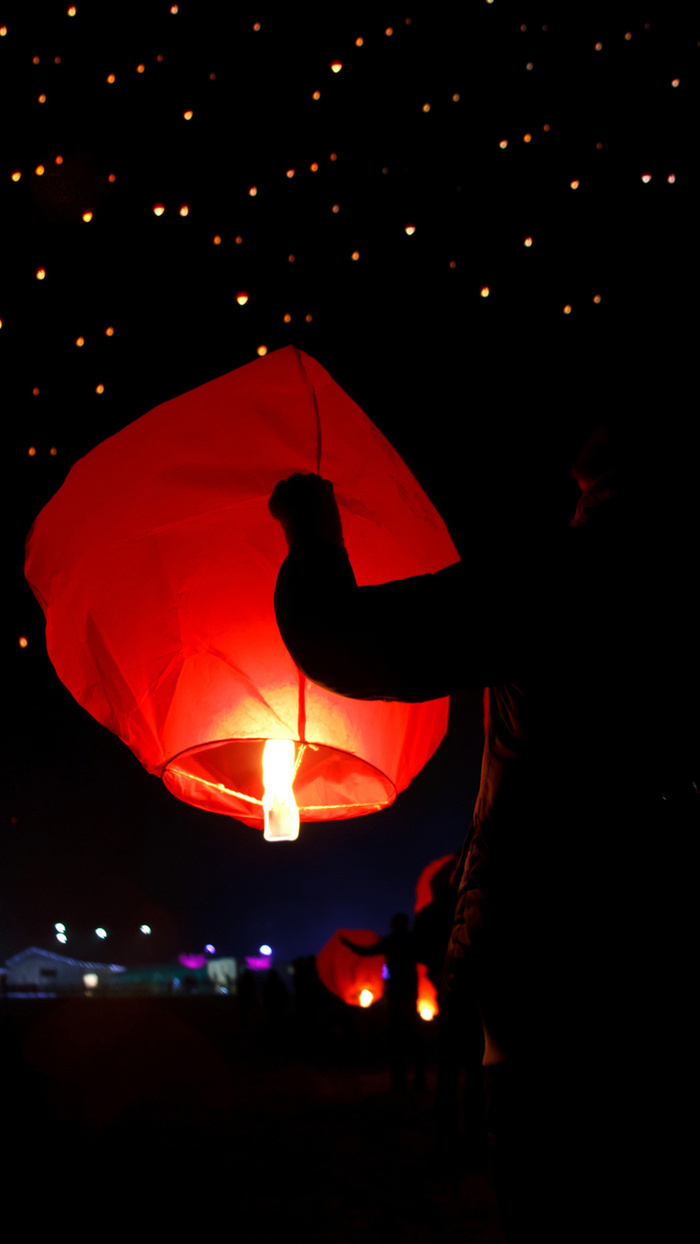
x=175, y=1114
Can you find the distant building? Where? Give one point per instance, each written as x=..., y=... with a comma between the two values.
x=43, y=973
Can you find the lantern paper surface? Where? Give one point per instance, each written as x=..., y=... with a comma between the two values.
x=347, y=974
x=155, y=564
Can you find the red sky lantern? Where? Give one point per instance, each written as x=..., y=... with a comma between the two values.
x=427, y=995
x=354, y=978
x=424, y=891
x=155, y=565
x=441, y=869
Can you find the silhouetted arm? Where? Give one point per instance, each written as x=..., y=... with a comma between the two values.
x=410, y=640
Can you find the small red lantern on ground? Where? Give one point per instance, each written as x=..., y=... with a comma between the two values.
x=155, y=564
x=354, y=978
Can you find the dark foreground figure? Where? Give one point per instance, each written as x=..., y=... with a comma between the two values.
x=572, y=930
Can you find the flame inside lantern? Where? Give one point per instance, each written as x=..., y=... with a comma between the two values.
x=279, y=804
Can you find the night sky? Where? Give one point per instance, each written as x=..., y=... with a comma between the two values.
x=464, y=224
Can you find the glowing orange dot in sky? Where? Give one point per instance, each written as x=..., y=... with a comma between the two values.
x=336, y=66
x=159, y=209
x=262, y=350
x=41, y=273
x=23, y=641
x=87, y=217
x=31, y=451
x=241, y=299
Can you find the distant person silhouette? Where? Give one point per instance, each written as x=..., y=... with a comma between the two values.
x=574, y=894
x=247, y=994
x=398, y=949
x=275, y=998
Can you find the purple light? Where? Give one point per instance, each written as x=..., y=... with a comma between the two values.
x=255, y=964
x=210, y=949
x=385, y=972
x=192, y=961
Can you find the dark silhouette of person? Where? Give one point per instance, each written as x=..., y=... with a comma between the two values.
x=246, y=991
x=460, y=1032
x=275, y=998
x=571, y=929
x=399, y=951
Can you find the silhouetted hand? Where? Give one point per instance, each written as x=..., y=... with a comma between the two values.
x=306, y=507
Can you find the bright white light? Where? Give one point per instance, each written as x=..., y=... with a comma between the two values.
x=279, y=804
x=61, y=937
x=145, y=928
x=90, y=980
x=209, y=949
x=60, y=928
x=366, y=997
x=101, y=932
x=265, y=950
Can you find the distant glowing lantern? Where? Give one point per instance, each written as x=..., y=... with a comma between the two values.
x=427, y=1005
x=435, y=877
x=155, y=565
x=349, y=976
x=434, y=874
x=90, y=980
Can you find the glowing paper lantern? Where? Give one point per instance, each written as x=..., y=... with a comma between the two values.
x=443, y=868
x=427, y=1003
x=348, y=975
x=155, y=565
x=438, y=872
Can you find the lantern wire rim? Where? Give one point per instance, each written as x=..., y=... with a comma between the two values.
x=366, y=806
